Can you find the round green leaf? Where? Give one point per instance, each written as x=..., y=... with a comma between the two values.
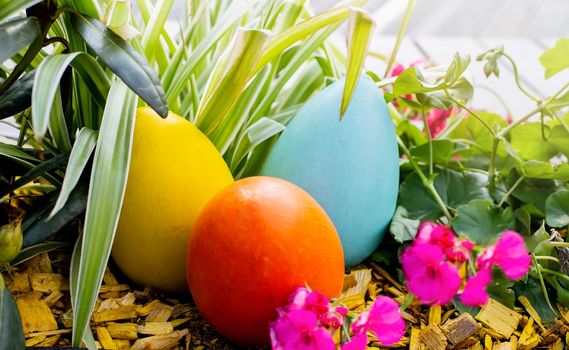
x=557, y=209
x=482, y=222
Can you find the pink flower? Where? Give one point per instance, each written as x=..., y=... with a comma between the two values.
x=299, y=330
x=429, y=277
x=474, y=293
x=509, y=253
x=334, y=317
x=437, y=120
x=358, y=342
x=443, y=237
x=383, y=319
x=396, y=70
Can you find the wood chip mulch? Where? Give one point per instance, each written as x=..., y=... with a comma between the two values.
x=127, y=318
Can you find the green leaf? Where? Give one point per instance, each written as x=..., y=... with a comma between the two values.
x=457, y=67
x=534, y=191
x=106, y=193
x=539, y=243
x=17, y=34
x=442, y=151
x=557, y=209
x=230, y=77
x=84, y=145
x=17, y=155
x=472, y=129
x=9, y=7
x=454, y=188
x=126, y=63
x=18, y=97
x=11, y=331
x=544, y=170
x=402, y=228
x=46, y=84
x=481, y=221
x=151, y=35
x=501, y=289
x=29, y=252
x=556, y=59
x=360, y=31
x=528, y=141
x=44, y=225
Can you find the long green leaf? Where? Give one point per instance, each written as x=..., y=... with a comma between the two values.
x=360, y=32
x=17, y=34
x=151, y=36
x=11, y=333
x=29, y=252
x=124, y=61
x=179, y=80
x=300, y=32
x=82, y=148
x=18, y=97
x=9, y=7
x=46, y=84
x=17, y=155
x=231, y=75
x=106, y=193
x=58, y=126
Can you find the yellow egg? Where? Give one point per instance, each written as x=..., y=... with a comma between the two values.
x=174, y=171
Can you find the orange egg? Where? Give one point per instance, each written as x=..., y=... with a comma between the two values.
x=252, y=245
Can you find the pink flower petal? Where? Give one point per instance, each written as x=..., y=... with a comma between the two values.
x=299, y=330
x=511, y=255
x=429, y=277
x=358, y=342
x=385, y=321
x=474, y=293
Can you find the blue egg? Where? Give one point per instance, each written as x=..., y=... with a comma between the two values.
x=351, y=167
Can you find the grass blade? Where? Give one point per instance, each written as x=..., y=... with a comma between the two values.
x=17, y=34
x=230, y=76
x=57, y=125
x=84, y=145
x=124, y=61
x=106, y=193
x=18, y=97
x=360, y=33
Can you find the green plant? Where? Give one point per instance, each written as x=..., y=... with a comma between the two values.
x=482, y=174
x=238, y=69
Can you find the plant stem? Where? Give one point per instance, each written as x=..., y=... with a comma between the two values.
x=517, y=78
x=429, y=139
x=545, y=257
x=510, y=191
x=509, y=128
x=400, y=35
x=538, y=269
x=555, y=273
x=408, y=301
x=498, y=97
x=492, y=166
x=560, y=244
x=463, y=106
x=424, y=180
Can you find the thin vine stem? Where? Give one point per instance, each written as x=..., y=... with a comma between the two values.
x=424, y=180
x=429, y=140
x=517, y=79
x=539, y=269
x=471, y=112
x=510, y=191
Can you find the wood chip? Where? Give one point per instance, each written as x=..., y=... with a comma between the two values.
x=121, y=313
x=114, y=288
x=504, y=346
x=128, y=299
x=122, y=344
x=49, y=342
x=531, y=311
x=53, y=298
x=109, y=278
x=435, y=315
x=415, y=341
x=460, y=328
x=146, y=309
x=179, y=321
x=35, y=340
x=20, y=283
x=529, y=339
x=361, y=279
x=105, y=339
x=160, y=313
x=123, y=330
x=156, y=328
x=39, y=264
x=46, y=282
x=35, y=314
x=433, y=338
x=499, y=317
x=159, y=341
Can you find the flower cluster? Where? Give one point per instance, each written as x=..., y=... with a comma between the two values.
x=309, y=321
x=430, y=265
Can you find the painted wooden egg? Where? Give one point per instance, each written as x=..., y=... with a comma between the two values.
x=350, y=166
x=254, y=244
